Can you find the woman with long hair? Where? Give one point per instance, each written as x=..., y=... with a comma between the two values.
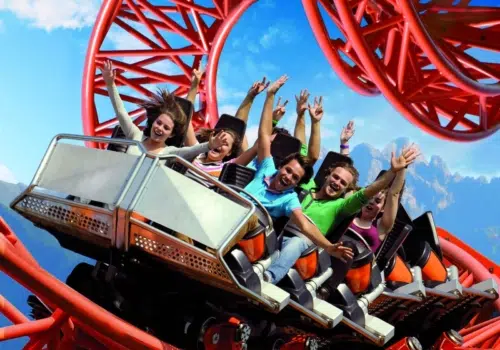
x=165, y=119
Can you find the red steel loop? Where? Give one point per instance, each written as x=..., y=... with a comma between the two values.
x=203, y=26
x=457, y=24
x=422, y=96
x=352, y=76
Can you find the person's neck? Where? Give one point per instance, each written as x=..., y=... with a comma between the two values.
x=152, y=146
x=363, y=223
x=321, y=195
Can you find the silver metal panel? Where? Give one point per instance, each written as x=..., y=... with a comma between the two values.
x=187, y=207
x=86, y=172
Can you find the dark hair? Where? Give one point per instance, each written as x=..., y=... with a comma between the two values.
x=203, y=135
x=350, y=168
x=163, y=102
x=282, y=131
x=304, y=163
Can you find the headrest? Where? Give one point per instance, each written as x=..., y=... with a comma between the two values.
x=425, y=229
x=282, y=146
x=117, y=134
x=330, y=159
x=227, y=121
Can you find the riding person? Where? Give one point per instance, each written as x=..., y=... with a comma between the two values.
x=326, y=207
x=165, y=120
x=377, y=218
x=274, y=188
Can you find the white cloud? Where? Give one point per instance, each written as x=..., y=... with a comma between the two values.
x=6, y=175
x=2, y=26
x=283, y=31
x=252, y=132
x=228, y=109
x=53, y=14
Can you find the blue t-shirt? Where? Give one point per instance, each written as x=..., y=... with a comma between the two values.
x=277, y=203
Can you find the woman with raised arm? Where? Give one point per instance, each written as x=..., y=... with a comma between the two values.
x=377, y=218
x=213, y=161
x=165, y=120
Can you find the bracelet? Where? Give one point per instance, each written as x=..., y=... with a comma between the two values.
x=343, y=146
x=275, y=122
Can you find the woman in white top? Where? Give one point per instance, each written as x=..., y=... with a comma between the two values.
x=165, y=120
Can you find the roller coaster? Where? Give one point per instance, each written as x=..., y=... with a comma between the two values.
x=422, y=289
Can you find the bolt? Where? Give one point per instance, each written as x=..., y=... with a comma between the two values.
x=215, y=338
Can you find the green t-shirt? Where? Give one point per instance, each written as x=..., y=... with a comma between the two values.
x=304, y=150
x=326, y=213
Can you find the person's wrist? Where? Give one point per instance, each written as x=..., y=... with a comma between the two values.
x=344, y=145
x=275, y=122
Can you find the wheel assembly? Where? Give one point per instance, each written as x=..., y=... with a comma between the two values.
x=158, y=44
x=397, y=55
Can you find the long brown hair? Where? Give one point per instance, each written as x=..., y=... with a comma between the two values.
x=163, y=102
x=204, y=134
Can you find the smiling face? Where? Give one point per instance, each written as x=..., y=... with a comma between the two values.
x=370, y=211
x=288, y=176
x=223, y=151
x=337, y=182
x=162, y=128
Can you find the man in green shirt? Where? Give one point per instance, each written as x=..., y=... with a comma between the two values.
x=326, y=207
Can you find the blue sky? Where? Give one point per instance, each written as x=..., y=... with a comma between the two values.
x=41, y=66
x=42, y=63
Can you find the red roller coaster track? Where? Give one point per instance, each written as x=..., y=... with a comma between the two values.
x=420, y=55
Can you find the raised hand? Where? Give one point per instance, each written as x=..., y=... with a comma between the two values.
x=108, y=73
x=407, y=156
x=197, y=74
x=316, y=110
x=280, y=110
x=274, y=87
x=347, y=132
x=339, y=251
x=258, y=87
x=302, y=102
x=218, y=140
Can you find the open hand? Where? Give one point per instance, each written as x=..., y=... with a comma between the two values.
x=316, y=110
x=347, y=132
x=280, y=110
x=108, y=73
x=258, y=87
x=407, y=156
x=197, y=73
x=339, y=251
x=302, y=102
x=218, y=140
x=274, y=87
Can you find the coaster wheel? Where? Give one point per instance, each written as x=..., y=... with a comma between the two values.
x=159, y=44
x=397, y=65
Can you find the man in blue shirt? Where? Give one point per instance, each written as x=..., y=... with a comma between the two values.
x=274, y=188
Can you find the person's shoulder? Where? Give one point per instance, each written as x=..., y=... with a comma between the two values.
x=310, y=185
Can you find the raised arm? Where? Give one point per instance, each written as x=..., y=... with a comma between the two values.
x=191, y=97
x=316, y=113
x=300, y=123
x=266, y=120
x=345, y=136
x=191, y=152
x=245, y=106
x=391, y=205
x=129, y=128
x=314, y=234
x=408, y=156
